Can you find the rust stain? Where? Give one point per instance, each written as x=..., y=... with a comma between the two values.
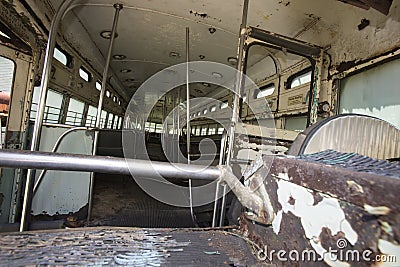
x=199, y=14
x=285, y=3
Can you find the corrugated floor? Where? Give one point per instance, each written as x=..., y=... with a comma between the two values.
x=355, y=162
x=119, y=201
x=125, y=246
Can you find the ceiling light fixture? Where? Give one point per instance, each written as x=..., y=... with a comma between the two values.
x=217, y=75
x=107, y=34
x=119, y=57
x=212, y=30
x=232, y=61
x=174, y=54
x=206, y=84
x=126, y=70
x=202, y=56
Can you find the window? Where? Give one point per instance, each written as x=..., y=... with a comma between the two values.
x=159, y=128
x=120, y=123
x=265, y=91
x=115, y=125
x=6, y=82
x=75, y=112
x=110, y=120
x=198, y=129
x=85, y=74
x=300, y=78
x=373, y=92
x=91, y=117
x=119, y=103
x=204, y=130
x=221, y=130
x=61, y=56
x=103, y=119
x=213, y=108
x=151, y=127
x=115, y=99
x=205, y=111
x=211, y=131
x=52, y=112
x=199, y=113
x=244, y=97
x=6, y=74
x=108, y=93
x=224, y=105
x=98, y=85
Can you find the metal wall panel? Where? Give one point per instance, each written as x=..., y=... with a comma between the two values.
x=63, y=192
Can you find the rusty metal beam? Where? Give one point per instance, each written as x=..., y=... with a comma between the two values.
x=358, y=188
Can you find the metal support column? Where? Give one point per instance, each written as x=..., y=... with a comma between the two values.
x=37, y=128
x=118, y=8
x=188, y=122
x=237, y=96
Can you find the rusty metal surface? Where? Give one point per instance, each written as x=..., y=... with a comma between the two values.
x=317, y=206
x=124, y=246
x=358, y=188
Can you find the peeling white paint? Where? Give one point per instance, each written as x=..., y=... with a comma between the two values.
x=283, y=176
x=381, y=210
x=326, y=214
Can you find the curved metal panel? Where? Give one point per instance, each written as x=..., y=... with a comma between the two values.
x=351, y=133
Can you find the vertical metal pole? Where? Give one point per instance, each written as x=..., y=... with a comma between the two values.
x=214, y=219
x=37, y=128
x=178, y=125
x=222, y=216
x=118, y=8
x=221, y=162
x=187, y=98
x=188, y=121
x=238, y=83
x=236, y=100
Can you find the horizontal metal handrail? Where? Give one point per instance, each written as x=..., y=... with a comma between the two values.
x=24, y=159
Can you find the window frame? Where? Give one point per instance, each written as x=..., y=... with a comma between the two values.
x=289, y=81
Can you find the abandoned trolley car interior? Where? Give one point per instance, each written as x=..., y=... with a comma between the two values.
x=200, y=132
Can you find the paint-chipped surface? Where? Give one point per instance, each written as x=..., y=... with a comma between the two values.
x=125, y=246
x=328, y=209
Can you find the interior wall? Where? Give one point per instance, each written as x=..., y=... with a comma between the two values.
x=63, y=192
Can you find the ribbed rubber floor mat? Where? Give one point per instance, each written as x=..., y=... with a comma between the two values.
x=119, y=201
x=124, y=246
x=354, y=162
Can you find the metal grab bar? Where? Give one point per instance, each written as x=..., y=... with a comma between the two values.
x=54, y=149
x=25, y=159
